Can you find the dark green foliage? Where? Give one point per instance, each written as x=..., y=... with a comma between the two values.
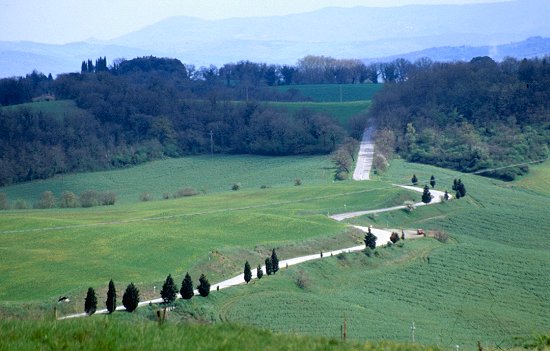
x=446, y=196
x=169, y=290
x=186, y=290
x=111, y=297
x=459, y=187
x=90, y=303
x=204, y=286
x=370, y=240
x=260, y=272
x=268, y=266
x=432, y=181
x=89, y=198
x=426, y=195
x=481, y=115
x=414, y=180
x=394, y=237
x=274, y=261
x=247, y=272
x=130, y=299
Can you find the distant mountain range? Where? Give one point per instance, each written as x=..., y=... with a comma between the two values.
x=441, y=32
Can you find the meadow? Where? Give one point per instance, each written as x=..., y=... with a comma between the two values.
x=341, y=111
x=488, y=283
x=334, y=92
x=71, y=249
x=54, y=109
x=206, y=174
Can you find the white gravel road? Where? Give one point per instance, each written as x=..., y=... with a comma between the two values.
x=366, y=154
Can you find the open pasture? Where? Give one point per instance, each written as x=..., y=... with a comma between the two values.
x=340, y=111
x=68, y=250
x=335, y=92
x=488, y=283
x=205, y=174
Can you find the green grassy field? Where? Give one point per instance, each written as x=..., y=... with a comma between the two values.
x=112, y=333
x=72, y=249
x=537, y=180
x=488, y=283
x=203, y=173
x=335, y=92
x=56, y=109
x=341, y=111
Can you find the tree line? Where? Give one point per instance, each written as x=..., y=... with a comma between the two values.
x=467, y=116
x=146, y=109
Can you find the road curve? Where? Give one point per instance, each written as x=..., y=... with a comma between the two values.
x=365, y=156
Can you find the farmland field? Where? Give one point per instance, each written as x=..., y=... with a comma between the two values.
x=489, y=282
x=54, y=109
x=341, y=111
x=203, y=173
x=335, y=92
x=74, y=248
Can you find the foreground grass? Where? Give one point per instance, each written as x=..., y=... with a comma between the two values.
x=203, y=173
x=109, y=333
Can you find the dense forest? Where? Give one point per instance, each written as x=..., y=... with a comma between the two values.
x=468, y=116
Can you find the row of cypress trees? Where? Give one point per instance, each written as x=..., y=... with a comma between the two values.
x=271, y=267
x=130, y=298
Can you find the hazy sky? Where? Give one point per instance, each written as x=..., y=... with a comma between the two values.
x=63, y=21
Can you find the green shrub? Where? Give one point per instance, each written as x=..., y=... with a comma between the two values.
x=186, y=192
x=4, y=204
x=236, y=186
x=20, y=204
x=89, y=198
x=297, y=182
x=47, y=200
x=107, y=198
x=68, y=200
x=145, y=197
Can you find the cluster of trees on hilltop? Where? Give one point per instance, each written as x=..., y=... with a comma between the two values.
x=469, y=116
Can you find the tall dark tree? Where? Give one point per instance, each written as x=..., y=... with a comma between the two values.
x=111, y=297
x=259, y=272
x=426, y=195
x=432, y=181
x=414, y=180
x=370, y=239
x=130, y=299
x=274, y=261
x=186, y=290
x=90, y=303
x=461, y=188
x=247, y=272
x=84, y=67
x=169, y=290
x=446, y=196
x=455, y=184
x=268, y=266
x=204, y=286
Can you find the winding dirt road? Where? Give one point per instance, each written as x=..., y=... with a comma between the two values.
x=363, y=166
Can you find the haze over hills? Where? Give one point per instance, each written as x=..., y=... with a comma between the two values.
x=361, y=32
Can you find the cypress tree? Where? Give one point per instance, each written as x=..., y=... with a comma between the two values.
x=461, y=188
x=414, y=180
x=130, y=299
x=426, y=195
x=446, y=196
x=370, y=240
x=432, y=181
x=455, y=184
x=169, y=290
x=204, y=286
x=268, y=266
x=90, y=303
x=111, y=297
x=187, y=287
x=247, y=272
x=259, y=272
x=274, y=262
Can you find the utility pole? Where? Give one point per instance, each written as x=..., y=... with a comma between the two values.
x=211, y=143
x=413, y=328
